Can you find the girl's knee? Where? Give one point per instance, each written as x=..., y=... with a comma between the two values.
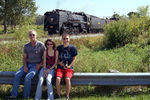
x=41, y=79
x=49, y=79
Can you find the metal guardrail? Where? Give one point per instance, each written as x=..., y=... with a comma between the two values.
x=105, y=79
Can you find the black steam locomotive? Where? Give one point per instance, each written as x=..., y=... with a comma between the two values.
x=60, y=21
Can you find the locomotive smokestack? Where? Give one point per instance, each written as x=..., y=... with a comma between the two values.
x=86, y=7
x=58, y=3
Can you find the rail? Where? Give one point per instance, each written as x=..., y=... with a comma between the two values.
x=103, y=79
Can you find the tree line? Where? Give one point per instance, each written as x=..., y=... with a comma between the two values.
x=20, y=12
x=17, y=12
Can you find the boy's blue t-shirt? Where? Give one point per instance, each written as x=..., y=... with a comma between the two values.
x=66, y=54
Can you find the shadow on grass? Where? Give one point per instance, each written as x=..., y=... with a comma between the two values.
x=81, y=91
x=109, y=91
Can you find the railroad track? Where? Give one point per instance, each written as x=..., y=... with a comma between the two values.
x=10, y=40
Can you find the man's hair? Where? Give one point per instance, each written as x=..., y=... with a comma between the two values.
x=32, y=31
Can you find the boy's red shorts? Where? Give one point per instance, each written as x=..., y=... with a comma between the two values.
x=64, y=73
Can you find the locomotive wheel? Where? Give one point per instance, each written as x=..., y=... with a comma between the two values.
x=49, y=32
x=67, y=31
x=84, y=31
x=76, y=31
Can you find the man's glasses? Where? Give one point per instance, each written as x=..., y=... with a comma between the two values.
x=31, y=34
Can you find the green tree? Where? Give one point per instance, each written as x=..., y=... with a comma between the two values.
x=17, y=12
x=143, y=10
x=39, y=20
x=3, y=13
x=115, y=16
x=131, y=14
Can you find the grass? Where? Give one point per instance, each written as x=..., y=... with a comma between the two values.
x=125, y=59
x=91, y=58
x=21, y=32
x=88, y=93
x=130, y=58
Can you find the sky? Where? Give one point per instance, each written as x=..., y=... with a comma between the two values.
x=99, y=8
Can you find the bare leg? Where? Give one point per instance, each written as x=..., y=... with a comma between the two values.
x=68, y=86
x=58, y=80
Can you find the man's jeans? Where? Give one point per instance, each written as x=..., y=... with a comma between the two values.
x=27, y=80
x=49, y=85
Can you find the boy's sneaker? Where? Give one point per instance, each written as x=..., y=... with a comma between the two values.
x=58, y=97
x=67, y=98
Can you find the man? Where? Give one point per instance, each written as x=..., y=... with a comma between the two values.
x=66, y=55
x=32, y=61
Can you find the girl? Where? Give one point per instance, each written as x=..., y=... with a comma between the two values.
x=49, y=62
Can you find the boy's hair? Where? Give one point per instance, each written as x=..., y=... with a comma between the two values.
x=65, y=34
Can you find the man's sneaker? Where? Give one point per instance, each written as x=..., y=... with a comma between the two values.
x=67, y=98
x=26, y=98
x=11, y=97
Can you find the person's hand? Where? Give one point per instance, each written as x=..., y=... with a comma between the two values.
x=45, y=73
x=37, y=66
x=48, y=70
x=25, y=69
x=61, y=63
x=66, y=67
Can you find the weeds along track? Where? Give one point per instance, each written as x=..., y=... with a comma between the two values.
x=54, y=37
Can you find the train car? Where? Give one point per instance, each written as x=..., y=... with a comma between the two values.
x=96, y=24
x=62, y=21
